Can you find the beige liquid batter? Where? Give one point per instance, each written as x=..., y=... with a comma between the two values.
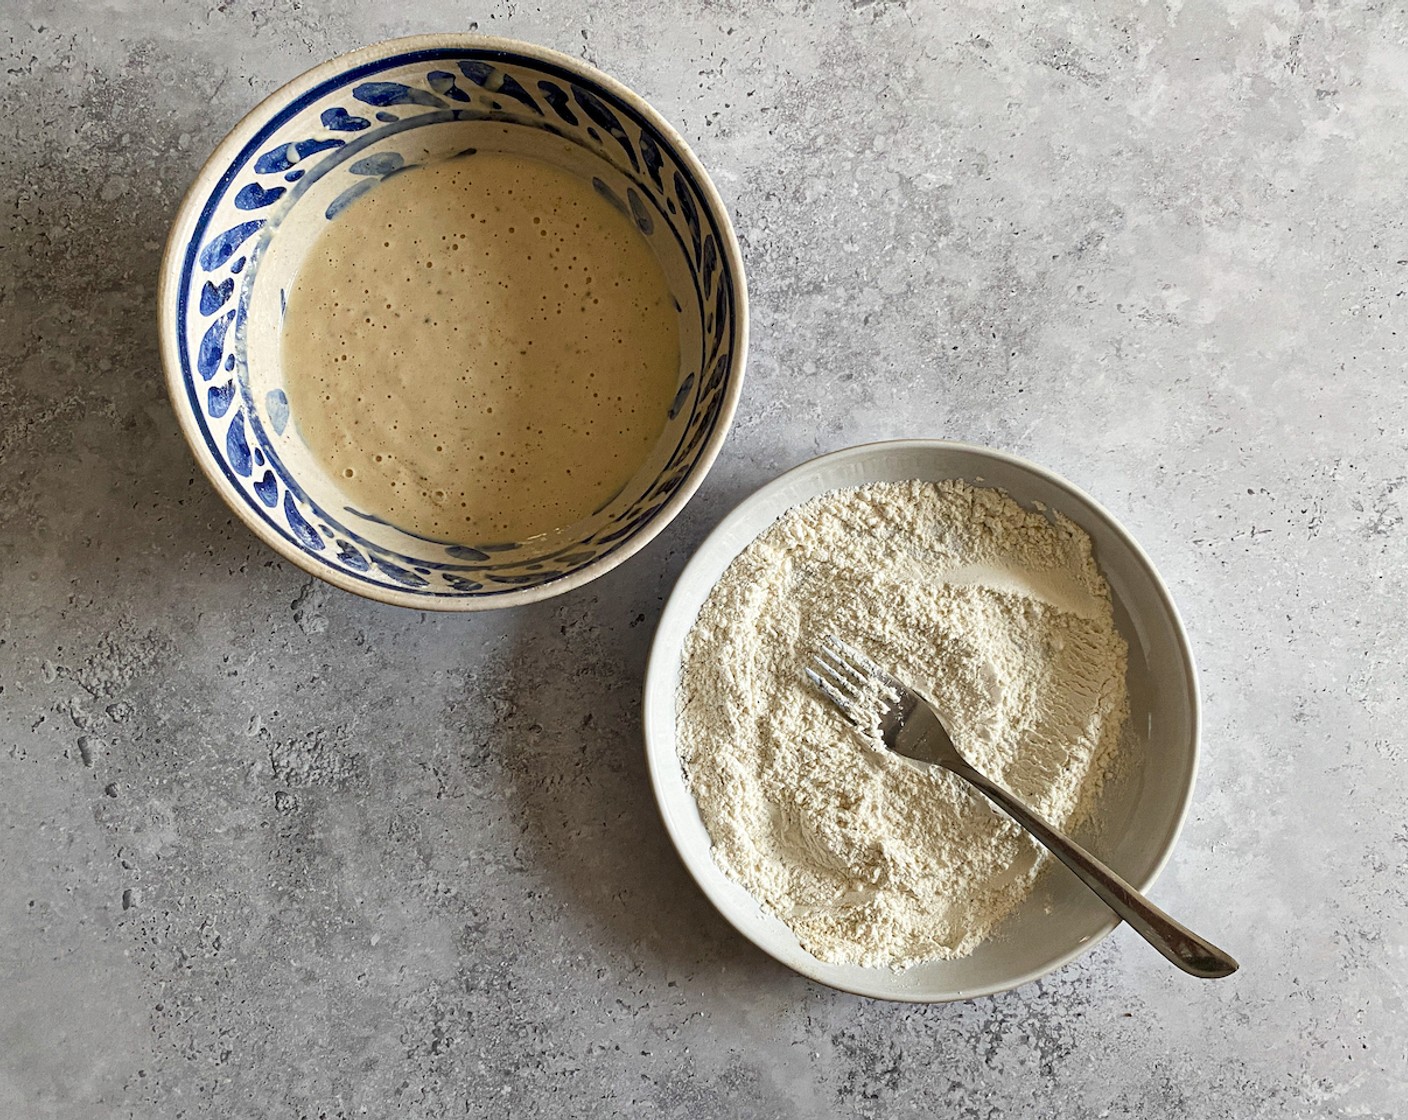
x=481, y=350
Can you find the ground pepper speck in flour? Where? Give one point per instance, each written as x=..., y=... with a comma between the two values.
x=997, y=614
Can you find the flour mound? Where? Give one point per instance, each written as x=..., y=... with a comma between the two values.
x=997, y=614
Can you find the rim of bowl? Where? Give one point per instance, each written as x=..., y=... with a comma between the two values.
x=809, y=966
x=168, y=287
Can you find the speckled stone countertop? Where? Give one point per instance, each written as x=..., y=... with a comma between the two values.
x=268, y=850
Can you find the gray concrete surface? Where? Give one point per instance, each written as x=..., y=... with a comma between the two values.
x=268, y=850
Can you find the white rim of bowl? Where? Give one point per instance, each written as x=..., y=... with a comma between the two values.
x=655, y=667
x=168, y=292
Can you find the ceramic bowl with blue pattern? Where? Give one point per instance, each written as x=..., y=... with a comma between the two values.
x=317, y=144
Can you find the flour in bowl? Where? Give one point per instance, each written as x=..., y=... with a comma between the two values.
x=999, y=615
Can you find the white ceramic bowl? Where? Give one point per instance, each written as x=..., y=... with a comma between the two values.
x=295, y=162
x=1139, y=814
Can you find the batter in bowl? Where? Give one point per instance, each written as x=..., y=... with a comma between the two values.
x=481, y=350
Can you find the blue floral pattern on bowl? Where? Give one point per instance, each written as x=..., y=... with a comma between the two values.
x=310, y=151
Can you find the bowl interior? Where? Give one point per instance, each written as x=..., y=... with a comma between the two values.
x=1138, y=816
x=301, y=159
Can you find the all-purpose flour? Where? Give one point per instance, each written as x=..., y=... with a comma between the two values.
x=996, y=614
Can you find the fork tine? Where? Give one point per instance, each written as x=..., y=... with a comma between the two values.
x=829, y=672
x=861, y=665
x=845, y=706
x=854, y=678
x=841, y=675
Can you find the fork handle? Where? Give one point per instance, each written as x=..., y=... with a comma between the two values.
x=1175, y=941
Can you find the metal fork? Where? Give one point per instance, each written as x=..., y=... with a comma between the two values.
x=872, y=699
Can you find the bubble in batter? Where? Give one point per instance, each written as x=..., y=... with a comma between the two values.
x=483, y=349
